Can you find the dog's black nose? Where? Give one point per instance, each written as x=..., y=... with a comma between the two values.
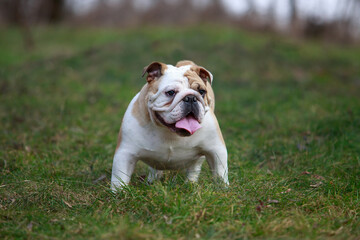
x=190, y=99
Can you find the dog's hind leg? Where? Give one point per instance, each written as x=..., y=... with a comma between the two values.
x=154, y=175
x=193, y=172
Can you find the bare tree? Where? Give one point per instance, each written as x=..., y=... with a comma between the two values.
x=14, y=13
x=294, y=18
x=24, y=13
x=50, y=11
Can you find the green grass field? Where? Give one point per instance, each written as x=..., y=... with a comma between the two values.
x=289, y=111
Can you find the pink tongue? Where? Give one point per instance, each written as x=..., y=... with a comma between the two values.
x=188, y=123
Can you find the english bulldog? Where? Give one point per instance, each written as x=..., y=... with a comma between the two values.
x=170, y=125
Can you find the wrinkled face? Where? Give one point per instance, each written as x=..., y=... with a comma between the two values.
x=177, y=100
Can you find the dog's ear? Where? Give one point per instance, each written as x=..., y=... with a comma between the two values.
x=154, y=70
x=204, y=74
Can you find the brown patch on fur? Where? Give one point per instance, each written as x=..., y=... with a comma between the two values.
x=184, y=63
x=163, y=68
x=197, y=83
x=199, y=77
x=217, y=127
x=204, y=74
x=139, y=110
x=119, y=139
x=210, y=97
x=153, y=86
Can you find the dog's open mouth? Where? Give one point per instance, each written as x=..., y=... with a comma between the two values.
x=186, y=126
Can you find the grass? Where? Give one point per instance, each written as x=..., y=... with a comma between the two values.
x=289, y=111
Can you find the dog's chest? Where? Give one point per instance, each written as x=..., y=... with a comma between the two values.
x=170, y=156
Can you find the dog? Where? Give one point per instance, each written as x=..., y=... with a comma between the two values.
x=170, y=125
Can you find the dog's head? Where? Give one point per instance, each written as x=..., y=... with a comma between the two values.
x=178, y=96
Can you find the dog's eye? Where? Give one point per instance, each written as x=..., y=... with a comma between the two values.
x=170, y=93
x=202, y=92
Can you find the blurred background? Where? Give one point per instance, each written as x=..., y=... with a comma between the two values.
x=287, y=83
x=333, y=20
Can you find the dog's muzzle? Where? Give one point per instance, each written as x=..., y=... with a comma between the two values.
x=190, y=106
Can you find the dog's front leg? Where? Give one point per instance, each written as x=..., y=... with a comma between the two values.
x=123, y=167
x=217, y=160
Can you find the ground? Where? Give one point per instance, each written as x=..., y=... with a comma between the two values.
x=289, y=112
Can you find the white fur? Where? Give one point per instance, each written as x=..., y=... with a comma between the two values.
x=163, y=149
